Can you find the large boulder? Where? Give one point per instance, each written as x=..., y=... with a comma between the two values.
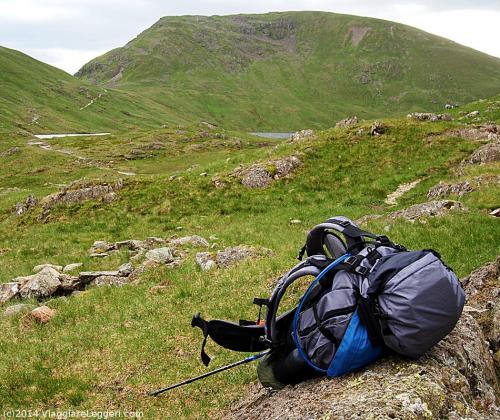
x=454, y=380
x=40, y=285
x=260, y=175
x=8, y=291
x=487, y=153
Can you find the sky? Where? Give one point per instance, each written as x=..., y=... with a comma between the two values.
x=69, y=33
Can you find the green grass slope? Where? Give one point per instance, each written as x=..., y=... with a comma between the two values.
x=286, y=71
x=38, y=98
x=106, y=347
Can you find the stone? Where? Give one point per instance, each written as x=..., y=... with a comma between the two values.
x=17, y=309
x=11, y=151
x=302, y=134
x=377, y=129
x=260, y=175
x=125, y=269
x=43, y=314
x=40, y=267
x=81, y=191
x=454, y=380
x=295, y=222
x=131, y=244
x=429, y=116
x=443, y=189
x=495, y=213
x=8, y=291
x=71, y=267
x=205, y=261
x=489, y=152
x=218, y=183
x=347, y=122
x=70, y=283
x=232, y=255
x=472, y=114
x=87, y=276
x=160, y=255
x=204, y=174
x=40, y=285
x=99, y=255
x=25, y=206
x=110, y=281
x=193, y=240
x=101, y=247
x=431, y=208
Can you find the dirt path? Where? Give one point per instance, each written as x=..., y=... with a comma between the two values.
x=402, y=189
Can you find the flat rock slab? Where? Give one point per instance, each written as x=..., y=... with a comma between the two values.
x=8, y=291
x=88, y=276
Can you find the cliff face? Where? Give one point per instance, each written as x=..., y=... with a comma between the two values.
x=456, y=379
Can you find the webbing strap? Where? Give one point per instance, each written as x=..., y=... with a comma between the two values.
x=199, y=322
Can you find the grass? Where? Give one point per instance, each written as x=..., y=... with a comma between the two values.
x=287, y=71
x=108, y=346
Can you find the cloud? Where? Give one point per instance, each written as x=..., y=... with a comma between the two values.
x=66, y=33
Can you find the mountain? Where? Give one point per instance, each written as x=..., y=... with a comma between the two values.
x=37, y=97
x=285, y=71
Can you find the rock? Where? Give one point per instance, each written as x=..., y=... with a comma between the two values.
x=347, y=122
x=429, y=116
x=204, y=174
x=205, y=261
x=110, y=281
x=260, y=175
x=125, y=269
x=99, y=255
x=442, y=189
x=10, y=152
x=43, y=314
x=40, y=285
x=101, y=247
x=391, y=198
x=489, y=152
x=70, y=283
x=40, y=267
x=71, y=267
x=81, y=191
x=17, y=309
x=193, y=240
x=495, y=213
x=295, y=222
x=8, y=291
x=218, y=183
x=232, y=255
x=472, y=114
x=86, y=277
x=431, y=208
x=455, y=380
x=27, y=205
x=160, y=255
x=131, y=244
x=377, y=129
x=302, y=134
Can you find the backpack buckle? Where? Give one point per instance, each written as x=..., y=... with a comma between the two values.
x=361, y=270
x=351, y=261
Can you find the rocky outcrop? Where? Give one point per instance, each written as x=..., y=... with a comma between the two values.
x=81, y=191
x=40, y=285
x=261, y=175
x=347, y=122
x=25, y=206
x=431, y=208
x=429, y=116
x=302, y=134
x=454, y=380
x=444, y=189
x=228, y=257
x=377, y=129
x=490, y=132
x=10, y=152
x=487, y=153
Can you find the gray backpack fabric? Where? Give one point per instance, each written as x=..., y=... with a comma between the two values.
x=414, y=299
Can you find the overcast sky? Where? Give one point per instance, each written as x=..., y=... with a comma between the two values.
x=68, y=33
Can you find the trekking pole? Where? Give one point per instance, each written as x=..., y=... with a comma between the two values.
x=213, y=372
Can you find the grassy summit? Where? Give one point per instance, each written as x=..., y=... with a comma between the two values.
x=286, y=71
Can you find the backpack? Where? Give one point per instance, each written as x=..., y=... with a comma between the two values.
x=368, y=296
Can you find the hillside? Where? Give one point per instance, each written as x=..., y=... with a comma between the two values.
x=112, y=340
x=36, y=97
x=287, y=71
